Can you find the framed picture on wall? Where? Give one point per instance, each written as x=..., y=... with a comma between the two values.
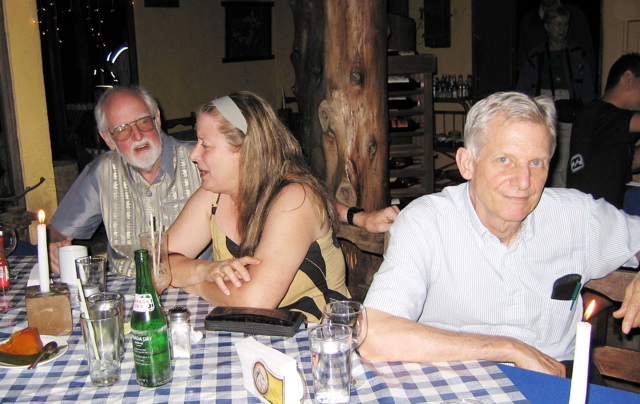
x=247, y=31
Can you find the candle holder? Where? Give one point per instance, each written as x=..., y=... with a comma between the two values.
x=50, y=312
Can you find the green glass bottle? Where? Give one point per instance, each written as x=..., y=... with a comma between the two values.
x=151, y=352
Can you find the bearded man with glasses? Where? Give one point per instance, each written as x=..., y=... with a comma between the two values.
x=147, y=174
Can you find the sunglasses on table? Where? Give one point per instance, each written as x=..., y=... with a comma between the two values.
x=124, y=131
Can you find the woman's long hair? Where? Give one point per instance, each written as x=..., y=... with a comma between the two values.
x=270, y=159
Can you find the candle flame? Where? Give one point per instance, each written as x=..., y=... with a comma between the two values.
x=41, y=216
x=590, y=308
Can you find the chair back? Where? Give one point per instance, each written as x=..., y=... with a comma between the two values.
x=614, y=358
x=189, y=122
x=373, y=243
x=359, y=276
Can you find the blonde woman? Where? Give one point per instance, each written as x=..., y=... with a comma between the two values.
x=271, y=221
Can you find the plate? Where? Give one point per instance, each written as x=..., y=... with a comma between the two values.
x=45, y=340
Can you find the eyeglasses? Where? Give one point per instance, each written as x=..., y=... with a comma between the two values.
x=123, y=132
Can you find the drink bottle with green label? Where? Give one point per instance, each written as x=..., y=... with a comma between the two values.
x=151, y=352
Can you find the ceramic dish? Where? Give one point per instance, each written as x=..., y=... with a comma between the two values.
x=45, y=340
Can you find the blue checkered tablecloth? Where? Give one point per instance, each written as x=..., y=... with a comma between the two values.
x=214, y=373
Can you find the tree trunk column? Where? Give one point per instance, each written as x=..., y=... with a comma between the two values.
x=353, y=114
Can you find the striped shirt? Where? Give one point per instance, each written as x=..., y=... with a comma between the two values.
x=443, y=268
x=109, y=190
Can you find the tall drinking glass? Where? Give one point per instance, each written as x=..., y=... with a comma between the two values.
x=92, y=272
x=107, y=301
x=330, y=346
x=354, y=315
x=156, y=243
x=101, y=332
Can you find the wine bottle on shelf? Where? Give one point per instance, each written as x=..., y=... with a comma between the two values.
x=404, y=125
x=402, y=103
x=400, y=162
x=402, y=83
x=150, y=334
x=404, y=182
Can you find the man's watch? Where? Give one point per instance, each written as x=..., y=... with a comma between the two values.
x=351, y=212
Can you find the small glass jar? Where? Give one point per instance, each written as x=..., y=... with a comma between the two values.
x=180, y=332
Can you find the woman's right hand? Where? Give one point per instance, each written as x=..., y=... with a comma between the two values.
x=233, y=270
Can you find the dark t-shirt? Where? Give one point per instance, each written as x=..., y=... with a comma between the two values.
x=601, y=151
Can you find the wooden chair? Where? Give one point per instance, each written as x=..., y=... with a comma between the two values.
x=611, y=354
x=188, y=121
x=359, y=277
x=373, y=243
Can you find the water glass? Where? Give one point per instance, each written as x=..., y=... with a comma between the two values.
x=101, y=333
x=353, y=314
x=106, y=301
x=10, y=239
x=330, y=346
x=92, y=272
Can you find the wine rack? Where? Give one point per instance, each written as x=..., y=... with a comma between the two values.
x=449, y=115
x=412, y=147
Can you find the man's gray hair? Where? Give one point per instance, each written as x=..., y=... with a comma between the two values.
x=101, y=115
x=512, y=106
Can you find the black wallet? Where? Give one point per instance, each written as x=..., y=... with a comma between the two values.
x=251, y=320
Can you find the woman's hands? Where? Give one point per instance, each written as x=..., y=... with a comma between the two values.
x=233, y=270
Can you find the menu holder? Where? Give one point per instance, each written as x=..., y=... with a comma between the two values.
x=270, y=375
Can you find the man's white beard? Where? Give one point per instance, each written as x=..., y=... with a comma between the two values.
x=146, y=161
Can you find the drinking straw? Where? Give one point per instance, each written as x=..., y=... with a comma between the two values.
x=85, y=311
x=153, y=243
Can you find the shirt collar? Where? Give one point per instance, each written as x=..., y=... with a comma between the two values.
x=166, y=158
x=526, y=230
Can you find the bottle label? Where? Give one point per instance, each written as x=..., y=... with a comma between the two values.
x=148, y=343
x=397, y=79
x=400, y=123
x=143, y=303
x=4, y=276
x=152, y=356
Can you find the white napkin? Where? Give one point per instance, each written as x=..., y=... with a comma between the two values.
x=270, y=375
x=34, y=278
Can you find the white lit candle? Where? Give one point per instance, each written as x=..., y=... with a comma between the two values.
x=43, y=255
x=580, y=375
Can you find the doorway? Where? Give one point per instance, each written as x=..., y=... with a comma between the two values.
x=87, y=46
x=496, y=39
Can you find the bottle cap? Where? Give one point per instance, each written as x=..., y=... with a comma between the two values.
x=179, y=313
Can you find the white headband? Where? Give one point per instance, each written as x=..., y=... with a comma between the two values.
x=231, y=112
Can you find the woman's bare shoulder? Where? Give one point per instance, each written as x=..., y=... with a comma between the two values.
x=294, y=195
